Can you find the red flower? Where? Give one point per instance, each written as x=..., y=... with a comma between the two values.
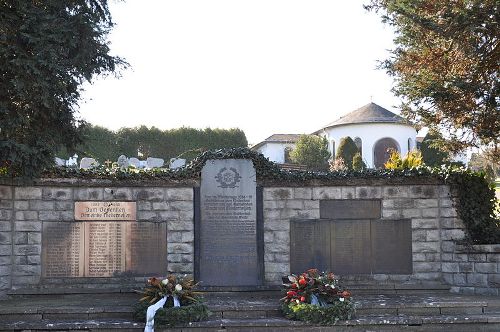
x=294, y=285
x=346, y=294
x=291, y=293
x=302, y=282
x=302, y=299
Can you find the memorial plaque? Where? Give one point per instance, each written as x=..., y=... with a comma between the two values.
x=391, y=246
x=310, y=245
x=227, y=237
x=351, y=246
x=62, y=249
x=103, y=211
x=103, y=249
x=105, y=244
x=350, y=209
x=147, y=250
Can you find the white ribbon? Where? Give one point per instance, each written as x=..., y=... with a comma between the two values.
x=152, y=309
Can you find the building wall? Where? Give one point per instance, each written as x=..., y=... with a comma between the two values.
x=370, y=133
x=275, y=152
x=434, y=223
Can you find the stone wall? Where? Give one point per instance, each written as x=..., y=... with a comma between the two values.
x=24, y=209
x=6, y=221
x=434, y=224
x=472, y=269
x=433, y=220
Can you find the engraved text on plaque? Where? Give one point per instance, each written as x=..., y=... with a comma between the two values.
x=102, y=211
x=228, y=225
x=103, y=249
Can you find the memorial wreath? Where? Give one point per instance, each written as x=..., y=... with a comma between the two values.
x=170, y=301
x=316, y=297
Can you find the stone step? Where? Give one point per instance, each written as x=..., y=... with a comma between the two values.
x=382, y=322
x=356, y=288
x=221, y=312
x=76, y=289
x=375, y=289
x=240, y=305
x=421, y=308
x=246, y=311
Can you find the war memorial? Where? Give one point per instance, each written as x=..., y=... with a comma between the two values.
x=70, y=246
x=363, y=225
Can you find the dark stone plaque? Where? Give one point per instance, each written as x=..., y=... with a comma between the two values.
x=350, y=246
x=391, y=246
x=227, y=238
x=310, y=245
x=147, y=250
x=350, y=209
x=62, y=250
x=103, y=249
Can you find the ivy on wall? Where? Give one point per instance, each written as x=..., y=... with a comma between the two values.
x=476, y=204
x=474, y=197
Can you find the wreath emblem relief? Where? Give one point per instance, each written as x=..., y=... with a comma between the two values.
x=228, y=178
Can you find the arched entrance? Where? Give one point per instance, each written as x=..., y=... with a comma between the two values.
x=382, y=151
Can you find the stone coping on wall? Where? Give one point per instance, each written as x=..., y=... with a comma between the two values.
x=355, y=181
x=162, y=182
x=87, y=182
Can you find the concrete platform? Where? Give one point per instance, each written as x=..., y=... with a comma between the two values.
x=253, y=311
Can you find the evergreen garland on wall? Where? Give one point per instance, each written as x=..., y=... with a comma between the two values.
x=474, y=198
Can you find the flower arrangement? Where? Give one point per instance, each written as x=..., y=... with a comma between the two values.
x=181, y=288
x=316, y=297
x=172, y=301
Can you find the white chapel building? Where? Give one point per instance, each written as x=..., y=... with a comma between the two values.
x=374, y=129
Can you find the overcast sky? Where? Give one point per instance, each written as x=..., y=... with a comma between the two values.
x=265, y=66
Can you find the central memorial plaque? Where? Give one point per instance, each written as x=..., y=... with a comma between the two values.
x=228, y=231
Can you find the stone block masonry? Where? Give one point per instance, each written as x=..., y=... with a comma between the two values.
x=280, y=206
x=24, y=209
x=435, y=227
x=6, y=237
x=419, y=203
x=472, y=269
